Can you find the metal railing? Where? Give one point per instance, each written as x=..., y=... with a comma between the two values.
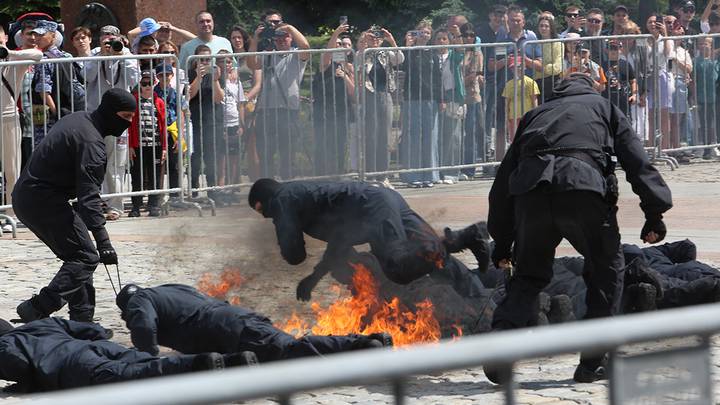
x=283, y=379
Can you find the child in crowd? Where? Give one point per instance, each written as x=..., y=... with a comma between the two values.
x=148, y=144
x=521, y=95
x=234, y=114
x=706, y=75
x=165, y=90
x=581, y=62
x=622, y=86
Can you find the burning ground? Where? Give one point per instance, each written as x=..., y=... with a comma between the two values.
x=423, y=311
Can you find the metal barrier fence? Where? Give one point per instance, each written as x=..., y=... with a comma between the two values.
x=53, y=88
x=689, y=99
x=420, y=111
x=423, y=112
x=633, y=378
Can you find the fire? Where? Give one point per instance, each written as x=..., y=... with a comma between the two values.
x=218, y=287
x=364, y=313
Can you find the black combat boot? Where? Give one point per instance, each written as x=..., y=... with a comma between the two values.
x=208, y=361
x=246, y=358
x=640, y=297
x=29, y=310
x=591, y=369
x=561, y=309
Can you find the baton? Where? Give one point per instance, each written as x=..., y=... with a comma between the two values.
x=117, y=268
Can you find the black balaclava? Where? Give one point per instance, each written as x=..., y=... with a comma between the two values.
x=262, y=191
x=125, y=294
x=113, y=101
x=5, y=327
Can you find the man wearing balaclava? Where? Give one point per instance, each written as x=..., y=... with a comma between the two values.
x=70, y=163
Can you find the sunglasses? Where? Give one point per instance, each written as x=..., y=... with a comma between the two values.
x=145, y=84
x=688, y=9
x=169, y=51
x=572, y=15
x=274, y=22
x=594, y=21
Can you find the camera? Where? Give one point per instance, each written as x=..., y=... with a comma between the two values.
x=416, y=33
x=3, y=52
x=116, y=45
x=267, y=36
x=376, y=31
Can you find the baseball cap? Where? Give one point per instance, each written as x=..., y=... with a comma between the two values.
x=109, y=30
x=163, y=68
x=281, y=34
x=621, y=8
x=44, y=26
x=148, y=26
x=147, y=73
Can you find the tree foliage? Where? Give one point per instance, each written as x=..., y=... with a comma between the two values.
x=10, y=10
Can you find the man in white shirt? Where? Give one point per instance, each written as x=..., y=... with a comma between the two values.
x=10, y=131
x=205, y=27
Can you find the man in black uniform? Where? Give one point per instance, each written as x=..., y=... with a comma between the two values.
x=557, y=182
x=54, y=353
x=70, y=163
x=181, y=318
x=345, y=214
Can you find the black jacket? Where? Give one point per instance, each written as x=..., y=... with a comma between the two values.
x=47, y=354
x=423, y=78
x=180, y=317
x=576, y=119
x=69, y=163
x=343, y=214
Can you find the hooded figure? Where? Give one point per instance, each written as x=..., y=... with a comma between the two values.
x=345, y=214
x=54, y=353
x=70, y=163
x=181, y=318
x=557, y=181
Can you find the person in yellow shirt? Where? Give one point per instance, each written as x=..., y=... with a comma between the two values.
x=521, y=95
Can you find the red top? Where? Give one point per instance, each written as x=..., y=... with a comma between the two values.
x=134, y=131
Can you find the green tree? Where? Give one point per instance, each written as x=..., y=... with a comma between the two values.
x=10, y=10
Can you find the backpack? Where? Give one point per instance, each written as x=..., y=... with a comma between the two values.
x=70, y=85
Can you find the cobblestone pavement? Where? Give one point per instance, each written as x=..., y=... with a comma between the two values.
x=182, y=247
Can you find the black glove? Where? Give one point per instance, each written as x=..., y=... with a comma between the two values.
x=654, y=223
x=105, y=248
x=305, y=287
x=501, y=252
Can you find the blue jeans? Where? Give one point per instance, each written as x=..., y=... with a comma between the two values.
x=474, y=141
x=419, y=143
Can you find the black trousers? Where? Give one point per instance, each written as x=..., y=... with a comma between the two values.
x=107, y=362
x=542, y=220
x=146, y=172
x=331, y=134
x=208, y=142
x=173, y=166
x=277, y=130
x=55, y=223
x=270, y=344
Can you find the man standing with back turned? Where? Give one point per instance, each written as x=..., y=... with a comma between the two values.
x=557, y=181
x=70, y=163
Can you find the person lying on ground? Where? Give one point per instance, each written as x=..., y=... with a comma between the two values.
x=182, y=318
x=54, y=353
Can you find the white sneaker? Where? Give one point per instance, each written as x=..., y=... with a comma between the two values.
x=463, y=177
x=7, y=228
x=386, y=183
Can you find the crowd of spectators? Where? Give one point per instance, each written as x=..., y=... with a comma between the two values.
x=450, y=97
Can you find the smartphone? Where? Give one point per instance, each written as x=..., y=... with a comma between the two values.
x=343, y=20
x=416, y=33
x=500, y=51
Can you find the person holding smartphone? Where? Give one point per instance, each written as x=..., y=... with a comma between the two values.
x=206, y=111
x=333, y=93
x=666, y=82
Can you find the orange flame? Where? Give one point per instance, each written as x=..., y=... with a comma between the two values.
x=363, y=313
x=229, y=279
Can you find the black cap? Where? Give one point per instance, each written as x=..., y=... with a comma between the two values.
x=124, y=295
x=621, y=8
